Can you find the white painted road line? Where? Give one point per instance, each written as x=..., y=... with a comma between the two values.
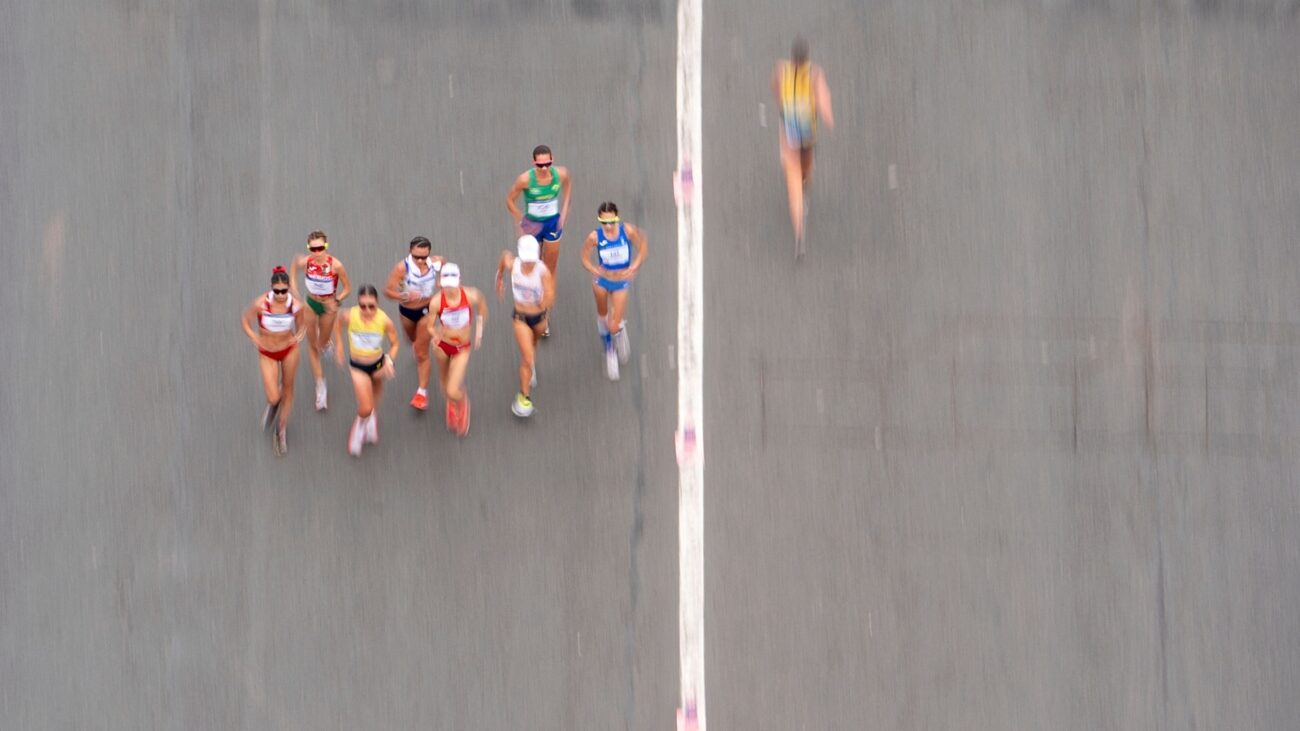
x=690, y=366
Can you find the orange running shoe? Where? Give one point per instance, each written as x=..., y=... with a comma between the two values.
x=419, y=401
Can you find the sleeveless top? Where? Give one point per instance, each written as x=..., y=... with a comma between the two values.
x=422, y=283
x=322, y=280
x=542, y=201
x=455, y=318
x=527, y=288
x=366, y=338
x=614, y=253
x=277, y=322
x=798, y=113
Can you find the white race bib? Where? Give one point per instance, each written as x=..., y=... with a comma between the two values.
x=614, y=255
x=322, y=287
x=544, y=209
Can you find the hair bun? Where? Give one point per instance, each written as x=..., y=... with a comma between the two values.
x=278, y=270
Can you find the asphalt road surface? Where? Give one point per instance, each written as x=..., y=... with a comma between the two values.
x=1011, y=448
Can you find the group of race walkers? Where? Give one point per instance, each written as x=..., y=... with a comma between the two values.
x=439, y=315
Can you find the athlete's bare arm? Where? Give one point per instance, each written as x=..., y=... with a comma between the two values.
x=822, y=95
x=565, y=181
x=548, y=290
x=300, y=324
x=479, y=302
x=393, y=285
x=588, y=247
x=433, y=324
x=298, y=261
x=391, y=331
x=506, y=262
x=345, y=283
x=638, y=239
x=245, y=316
x=521, y=182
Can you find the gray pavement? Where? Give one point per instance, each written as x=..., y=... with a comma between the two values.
x=1011, y=448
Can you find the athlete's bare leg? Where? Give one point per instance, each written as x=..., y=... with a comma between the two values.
x=270, y=379
x=289, y=372
x=551, y=257
x=364, y=386
x=423, y=366
x=456, y=367
x=617, y=303
x=527, y=339
x=792, y=165
x=325, y=331
x=314, y=342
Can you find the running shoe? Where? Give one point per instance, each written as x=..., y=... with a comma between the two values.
x=419, y=401
x=522, y=406
x=532, y=382
x=282, y=442
x=623, y=346
x=372, y=429
x=268, y=416
x=547, y=332
x=355, y=437
x=611, y=363
x=451, y=416
x=320, y=395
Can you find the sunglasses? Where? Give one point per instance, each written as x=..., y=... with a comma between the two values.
x=367, y=308
x=544, y=164
x=420, y=258
x=315, y=249
x=607, y=222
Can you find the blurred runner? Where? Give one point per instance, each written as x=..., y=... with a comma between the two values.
x=533, y=289
x=546, y=201
x=448, y=327
x=327, y=286
x=279, y=320
x=613, y=270
x=802, y=96
x=411, y=284
x=370, y=366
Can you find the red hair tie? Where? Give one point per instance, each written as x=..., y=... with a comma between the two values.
x=278, y=270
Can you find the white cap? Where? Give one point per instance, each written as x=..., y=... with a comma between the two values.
x=450, y=275
x=529, y=249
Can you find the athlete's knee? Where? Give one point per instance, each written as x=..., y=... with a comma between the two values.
x=455, y=393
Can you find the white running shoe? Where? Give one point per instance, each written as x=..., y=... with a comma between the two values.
x=623, y=345
x=532, y=382
x=355, y=437
x=320, y=395
x=611, y=364
x=522, y=406
x=372, y=430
